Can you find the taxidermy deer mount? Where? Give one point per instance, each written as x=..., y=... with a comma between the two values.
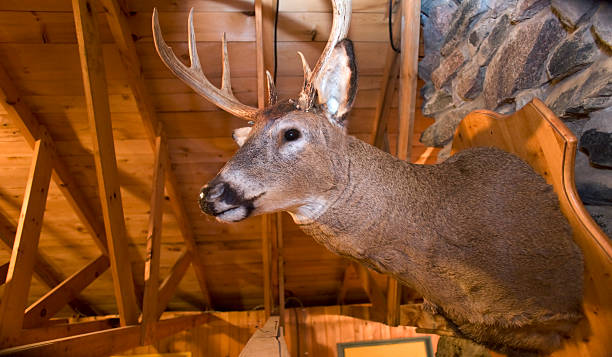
x=480, y=236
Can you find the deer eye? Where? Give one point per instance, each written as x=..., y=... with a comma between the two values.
x=292, y=134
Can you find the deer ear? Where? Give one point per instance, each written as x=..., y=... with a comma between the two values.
x=241, y=134
x=337, y=84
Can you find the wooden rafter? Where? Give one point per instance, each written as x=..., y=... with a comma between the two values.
x=375, y=293
x=3, y=272
x=267, y=341
x=21, y=116
x=25, y=247
x=351, y=274
x=105, y=342
x=43, y=270
x=52, y=302
x=121, y=33
x=61, y=330
x=98, y=112
x=171, y=282
x=151, y=278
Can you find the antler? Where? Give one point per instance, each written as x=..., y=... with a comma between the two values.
x=341, y=21
x=195, y=78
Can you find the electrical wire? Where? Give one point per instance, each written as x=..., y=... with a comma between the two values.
x=391, y=27
x=275, y=39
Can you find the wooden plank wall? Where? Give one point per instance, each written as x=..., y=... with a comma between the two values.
x=315, y=331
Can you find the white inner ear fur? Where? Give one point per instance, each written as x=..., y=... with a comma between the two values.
x=333, y=86
x=241, y=134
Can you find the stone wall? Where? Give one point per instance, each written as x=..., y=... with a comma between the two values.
x=500, y=54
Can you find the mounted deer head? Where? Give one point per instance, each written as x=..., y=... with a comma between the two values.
x=290, y=142
x=480, y=236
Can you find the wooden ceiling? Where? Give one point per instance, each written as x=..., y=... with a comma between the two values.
x=39, y=51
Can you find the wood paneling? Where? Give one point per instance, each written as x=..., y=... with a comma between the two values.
x=308, y=332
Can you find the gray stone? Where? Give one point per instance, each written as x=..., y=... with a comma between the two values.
x=447, y=68
x=576, y=126
x=602, y=215
x=479, y=34
x=493, y=41
x=602, y=24
x=435, y=25
x=574, y=54
x=441, y=132
x=519, y=62
x=584, y=92
x=468, y=83
x=527, y=96
x=594, y=185
x=465, y=15
x=439, y=101
x=570, y=12
x=526, y=9
x=596, y=139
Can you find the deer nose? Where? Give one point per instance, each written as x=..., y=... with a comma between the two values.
x=211, y=192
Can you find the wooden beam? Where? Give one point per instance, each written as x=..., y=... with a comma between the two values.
x=3, y=272
x=411, y=26
x=281, y=269
x=43, y=270
x=351, y=274
x=21, y=116
x=171, y=282
x=267, y=341
x=55, y=331
x=386, y=95
x=106, y=342
x=59, y=296
x=375, y=293
x=25, y=247
x=151, y=278
x=98, y=112
x=120, y=30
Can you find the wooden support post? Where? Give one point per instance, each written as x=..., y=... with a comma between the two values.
x=171, y=282
x=106, y=342
x=119, y=27
x=21, y=116
x=59, y=296
x=376, y=295
x=411, y=26
x=273, y=263
x=151, y=278
x=98, y=111
x=25, y=248
x=386, y=95
x=351, y=274
x=281, y=269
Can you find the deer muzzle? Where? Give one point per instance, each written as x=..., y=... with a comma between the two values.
x=221, y=200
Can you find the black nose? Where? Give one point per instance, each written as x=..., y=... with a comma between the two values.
x=208, y=194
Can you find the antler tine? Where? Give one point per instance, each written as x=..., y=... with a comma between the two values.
x=226, y=84
x=341, y=20
x=272, y=94
x=306, y=68
x=195, y=78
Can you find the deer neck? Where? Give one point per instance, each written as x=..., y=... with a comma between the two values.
x=377, y=204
